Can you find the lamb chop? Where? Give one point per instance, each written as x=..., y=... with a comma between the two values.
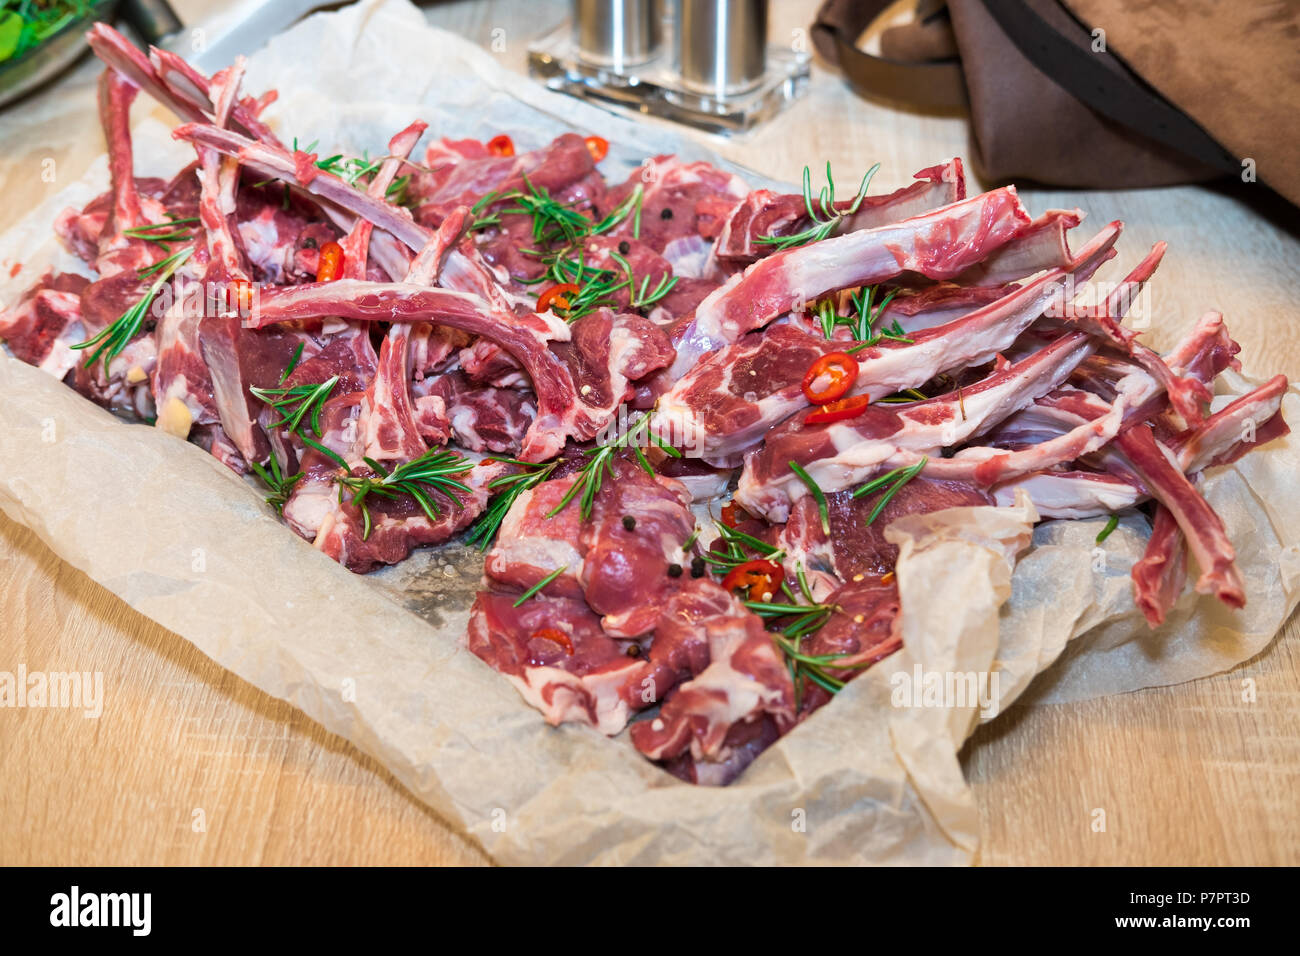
x=730, y=399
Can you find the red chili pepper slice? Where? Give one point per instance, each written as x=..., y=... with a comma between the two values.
x=762, y=578
x=331, y=262
x=557, y=295
x=733, y=514
x=840, y=368
x=598, y=146
x=501, y=145
x=241, y=296
x=850, y=407
x=556, y=635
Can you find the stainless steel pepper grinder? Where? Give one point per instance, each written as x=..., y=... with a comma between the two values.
x=702, y=62
x=618, y=34
x=721, y=47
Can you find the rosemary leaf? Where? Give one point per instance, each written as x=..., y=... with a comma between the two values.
x=815, y=490
x=541, y=584
x=907, y=474
x=1111, y=525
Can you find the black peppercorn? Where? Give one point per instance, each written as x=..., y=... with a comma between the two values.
x=634, y=650
x=674, y=570
x=309, y=243
x=625, y=247
x=629, y=523
x=697, y=567
x=666, y=213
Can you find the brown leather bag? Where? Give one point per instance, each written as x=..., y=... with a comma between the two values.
x=1094, y=93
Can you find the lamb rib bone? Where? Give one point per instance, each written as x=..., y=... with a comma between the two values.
x=1243, y=422
x=348, y=206
x=1186, y=393
x=1043, y=244
x=1072, y=494
x=274, y=161
x=939, y=245
x=711, y=405
x=1159, y=575
x=560, y=414
x=843, y=454
x=1250, y=420
x=1206, y=536
x=356, y=243
x=128, y=61
x=764, y=213
x=387, y=420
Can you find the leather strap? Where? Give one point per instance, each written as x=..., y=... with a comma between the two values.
x=932, y=84
x=1099, y=80
x=1113, y=91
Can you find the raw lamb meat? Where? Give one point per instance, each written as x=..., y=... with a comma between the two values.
x=575, y=374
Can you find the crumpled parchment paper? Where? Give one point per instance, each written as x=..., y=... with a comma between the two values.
x=873, y=777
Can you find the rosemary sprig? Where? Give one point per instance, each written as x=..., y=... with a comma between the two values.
x=862, y=319
x=734, y=543
x=1111, y=525
x=114, y=337
x=356, y=172
x=775, y=609
x=813, y=666
x=396, y=191
x=507, y=489
x=480, y=217
x=163, y=234
x=293, y=363
x=804, y=589
x=348, y=169
x=815, y=490
x=630, y=205
x=645, y=297
x=898, y=477
x=905, y=397
x=596, y=286
x=559, y=231
x=869, y=312
x=279, y=485
x=432, y=470
x=592, y=476
x=296, y=402
x=827, y=317
x=166, y=267
x=816, y=660
x=329, y=453
x=894, y=333
x=797, y=621
x=825, y=205
x=541, y=584
x=552, y=220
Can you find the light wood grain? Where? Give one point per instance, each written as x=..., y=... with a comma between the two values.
x=1188, y=774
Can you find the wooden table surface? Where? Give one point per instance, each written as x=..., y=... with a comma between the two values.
x=1187, y=774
